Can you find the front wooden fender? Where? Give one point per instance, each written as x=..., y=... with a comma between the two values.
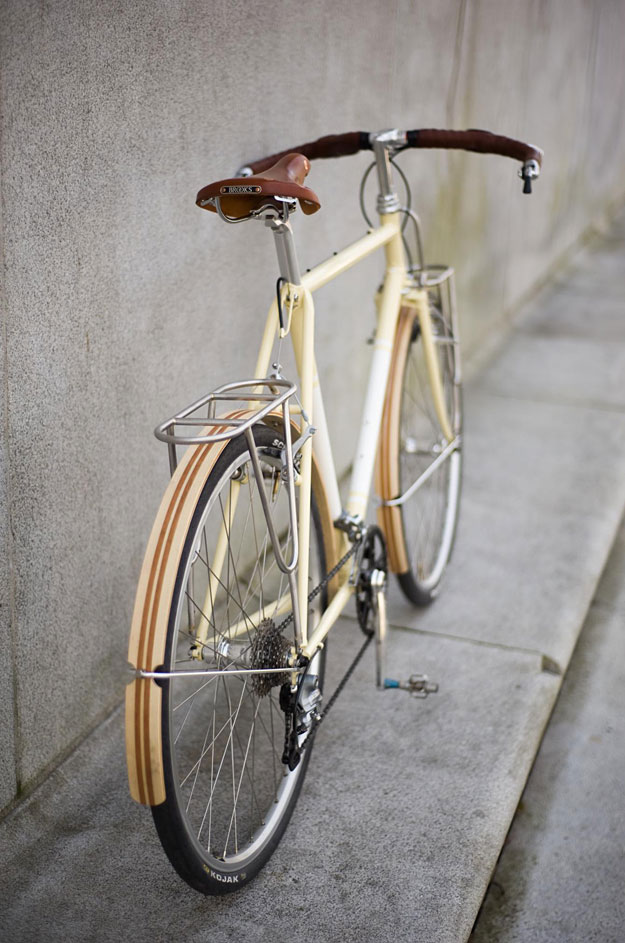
x=387, y=465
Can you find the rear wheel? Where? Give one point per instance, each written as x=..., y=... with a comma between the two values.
x=229, y=796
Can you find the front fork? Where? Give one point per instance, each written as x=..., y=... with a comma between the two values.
x=417, y=298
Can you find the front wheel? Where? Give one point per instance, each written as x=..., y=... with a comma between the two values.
x=229, y=795
x=420, y=530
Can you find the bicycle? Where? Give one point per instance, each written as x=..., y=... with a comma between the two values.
x=252, y=557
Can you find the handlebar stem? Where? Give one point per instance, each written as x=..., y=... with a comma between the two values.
x=384, y=145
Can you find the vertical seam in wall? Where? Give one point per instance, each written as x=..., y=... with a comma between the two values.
x=452, y=92
x=581, y=140
x=519, y=131
x=391, y=117
x=6, y=456
x=591, y=69
x=454, y=183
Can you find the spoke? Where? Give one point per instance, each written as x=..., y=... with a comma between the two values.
x=225, y=638
x=272, y=739
x=185, y=719
x=210, y=681
x=214, y=785
x=233, y=817
x=191, y=635
x=244, y=529
x=244, y=526
x=205, y=749
x=234, y=804
x=210, y=813
x=276, y=751
x=246, y=617
x=265, y=540
x=231, y=560
x=197, y=771
x=250, y=775
x=261, y=558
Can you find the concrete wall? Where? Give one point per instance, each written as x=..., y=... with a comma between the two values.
x=122, y=301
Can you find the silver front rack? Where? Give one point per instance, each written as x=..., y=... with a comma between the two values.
x=256, y=398
x=429, y=276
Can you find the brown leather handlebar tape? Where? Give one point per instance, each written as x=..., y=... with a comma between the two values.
x=332, y=145
x=484, y=142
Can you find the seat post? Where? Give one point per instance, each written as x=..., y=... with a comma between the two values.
x=285, y=249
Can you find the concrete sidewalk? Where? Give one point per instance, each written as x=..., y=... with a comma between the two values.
x=407, y=803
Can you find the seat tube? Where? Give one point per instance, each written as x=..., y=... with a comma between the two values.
x=303, y=345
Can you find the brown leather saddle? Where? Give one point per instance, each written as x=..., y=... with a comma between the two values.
x=238, y=196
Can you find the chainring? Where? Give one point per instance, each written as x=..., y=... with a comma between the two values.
x=372, y=556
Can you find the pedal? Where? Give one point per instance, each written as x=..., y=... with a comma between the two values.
x=416, y=685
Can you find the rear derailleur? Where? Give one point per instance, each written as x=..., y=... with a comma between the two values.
x=300, y=704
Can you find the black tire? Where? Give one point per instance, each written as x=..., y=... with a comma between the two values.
x=228, y=795
x=429, y=516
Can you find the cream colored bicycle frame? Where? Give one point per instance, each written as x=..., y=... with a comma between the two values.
x=397, y=291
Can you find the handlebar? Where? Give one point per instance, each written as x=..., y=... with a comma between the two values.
x=484, y=142
x=332, y=145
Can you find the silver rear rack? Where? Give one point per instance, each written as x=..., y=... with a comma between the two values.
x=262, y=396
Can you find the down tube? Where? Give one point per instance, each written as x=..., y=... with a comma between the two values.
x=366, y=449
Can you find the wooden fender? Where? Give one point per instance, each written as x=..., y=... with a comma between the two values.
x=387, y=465
x=148, y=633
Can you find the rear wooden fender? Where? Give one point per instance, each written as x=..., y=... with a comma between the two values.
x=146, y=650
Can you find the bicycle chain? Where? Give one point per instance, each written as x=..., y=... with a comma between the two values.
x=324, y=582
x=324, y=713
